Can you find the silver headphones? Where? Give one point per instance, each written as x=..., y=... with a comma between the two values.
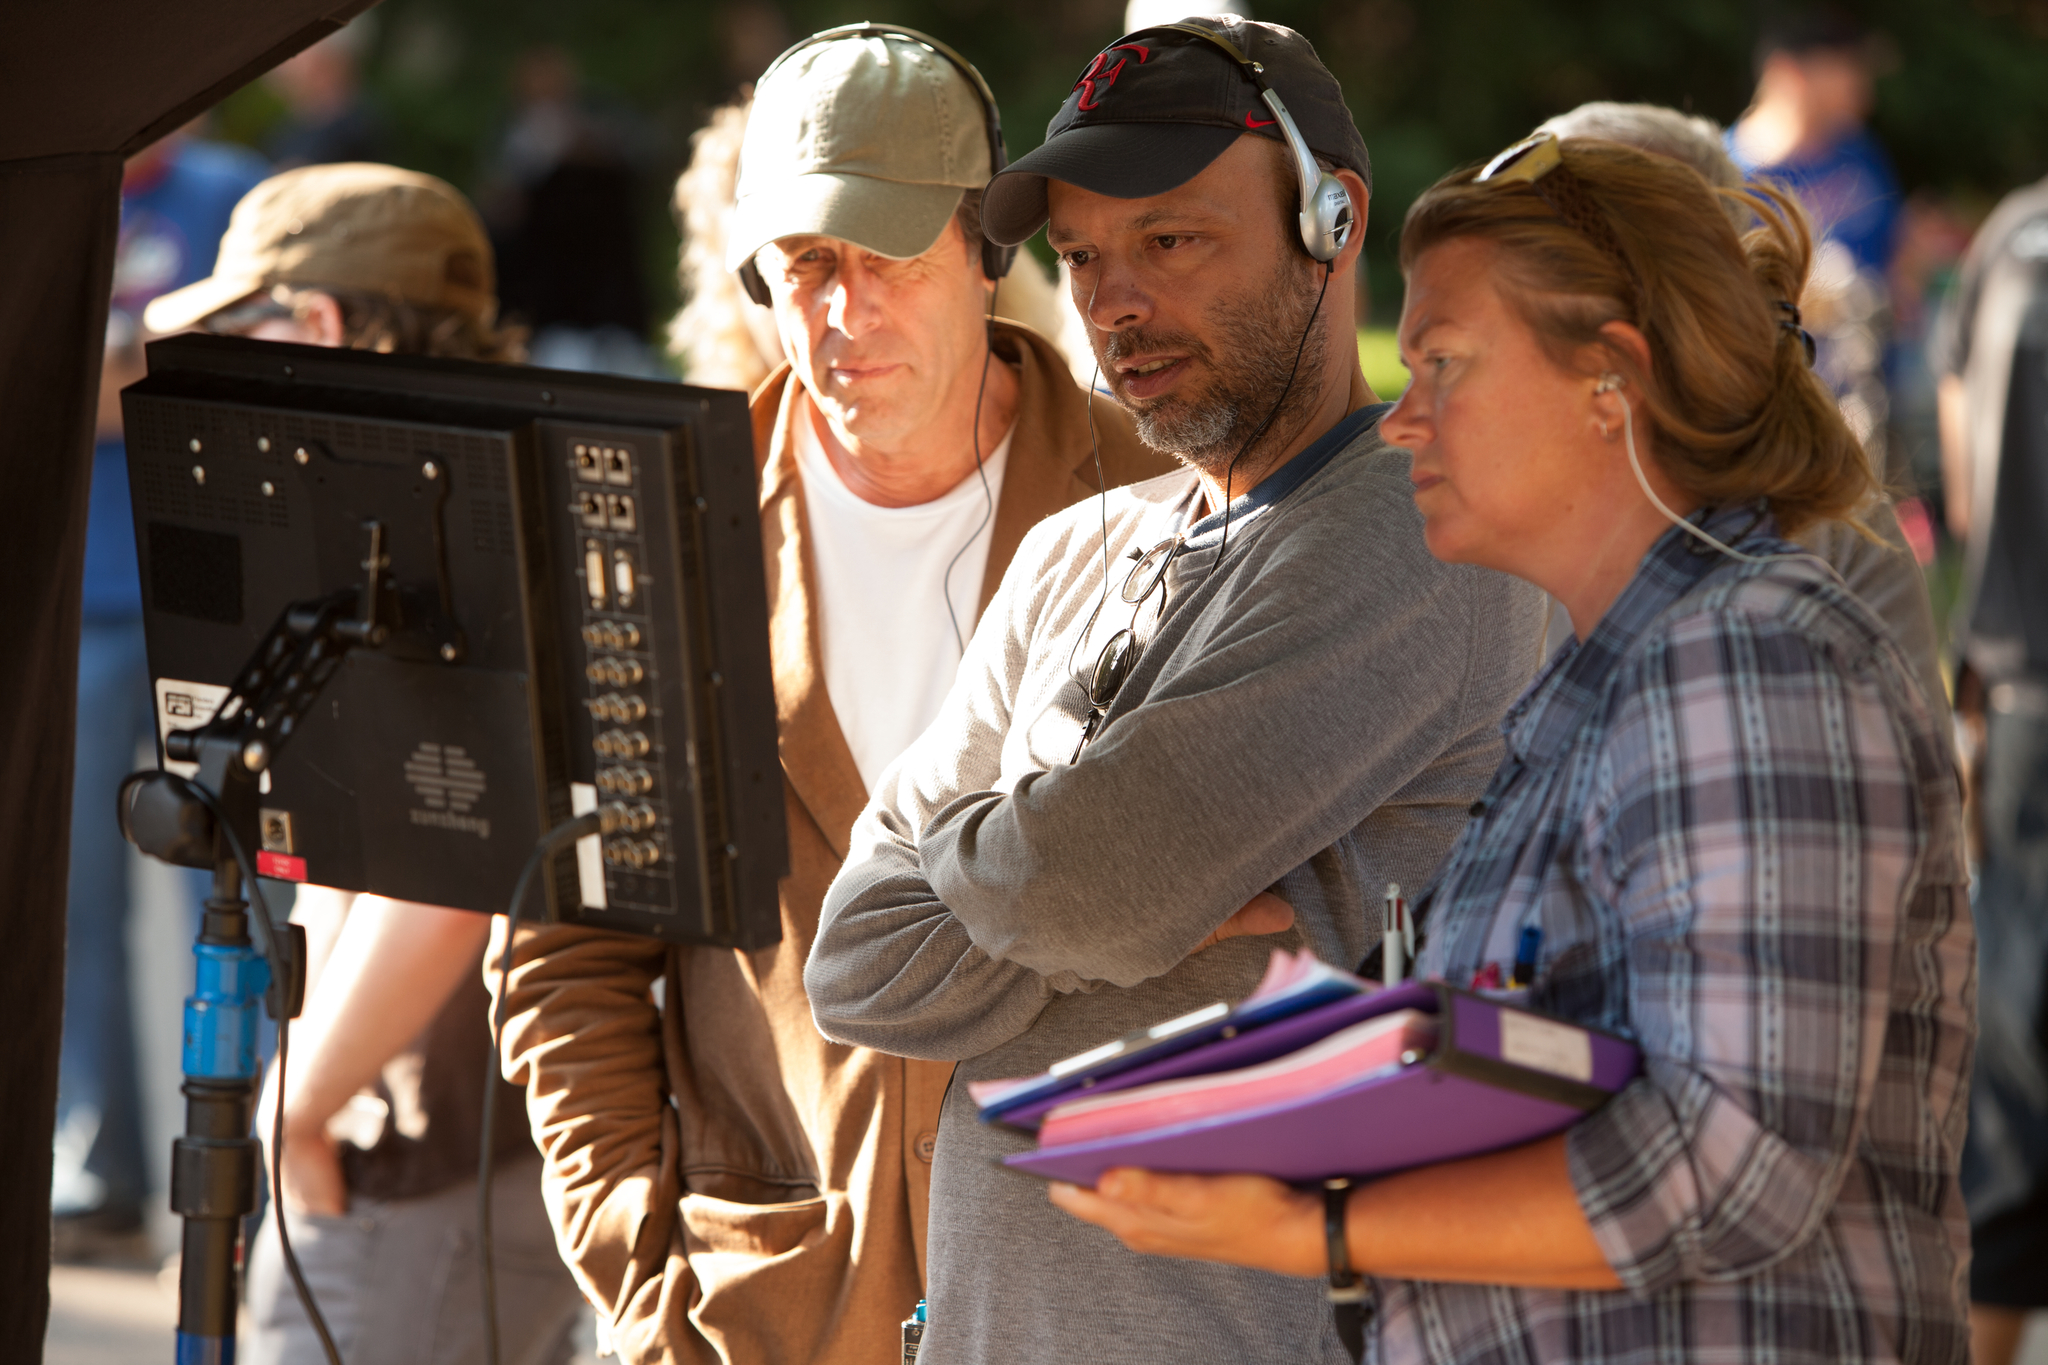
x=1327, y=216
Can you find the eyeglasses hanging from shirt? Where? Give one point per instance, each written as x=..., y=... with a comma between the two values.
x=1120, y=655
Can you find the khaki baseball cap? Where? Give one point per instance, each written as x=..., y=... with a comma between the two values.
x=870, y=139
x=354, y=225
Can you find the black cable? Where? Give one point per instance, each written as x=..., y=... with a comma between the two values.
x=279, y=973
x=988, y=501
x=1101, y=498
x=284, y=1238
x=1230, y=470
x=556, y=839
x=1101, y=481
x=1102, y=506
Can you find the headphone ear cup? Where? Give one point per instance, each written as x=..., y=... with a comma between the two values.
x=1328, y=221
x=756, y=287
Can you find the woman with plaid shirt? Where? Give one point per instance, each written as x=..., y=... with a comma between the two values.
x=1726, y=806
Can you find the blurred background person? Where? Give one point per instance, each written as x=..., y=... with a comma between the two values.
x=563, y=215
x=1885, y=573
x=1149, y=13
x=720, y=337
x=1805, y=130
x=383, y=1103
x=1935, y=228
x=326, y=117
x=1992, y=349
x=175, y=200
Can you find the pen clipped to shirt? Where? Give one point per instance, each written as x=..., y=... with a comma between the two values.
x=1399, y=936
x=1525, y=956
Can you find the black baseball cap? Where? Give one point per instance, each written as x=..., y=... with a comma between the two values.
x=1155, y=107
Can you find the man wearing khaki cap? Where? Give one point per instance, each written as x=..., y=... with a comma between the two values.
x=726, y=1184
x=388, y=1057
x=353, y=254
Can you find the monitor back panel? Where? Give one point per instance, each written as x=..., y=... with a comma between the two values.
x=578, y=627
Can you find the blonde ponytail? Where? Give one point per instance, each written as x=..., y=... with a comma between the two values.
x=1804, y=457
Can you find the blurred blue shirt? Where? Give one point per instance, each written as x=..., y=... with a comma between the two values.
x=170, y=234
x=1850, y=190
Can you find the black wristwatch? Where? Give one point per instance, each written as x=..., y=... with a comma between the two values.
x=1347, y=1293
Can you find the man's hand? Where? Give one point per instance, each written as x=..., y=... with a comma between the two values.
x=1264, y=913
x=1246, y=1220
x=313, y=1182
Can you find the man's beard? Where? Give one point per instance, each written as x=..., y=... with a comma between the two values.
x=1250, y=353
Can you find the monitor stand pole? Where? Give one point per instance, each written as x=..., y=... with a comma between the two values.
x=193, y=823
x=214, y=1165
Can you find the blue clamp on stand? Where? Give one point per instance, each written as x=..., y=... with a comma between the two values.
x=209, y=821
x=214, y=1166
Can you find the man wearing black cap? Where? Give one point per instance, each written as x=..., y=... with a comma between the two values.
x=1204, y=717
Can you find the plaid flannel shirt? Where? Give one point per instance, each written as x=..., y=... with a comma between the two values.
x=1737, y=825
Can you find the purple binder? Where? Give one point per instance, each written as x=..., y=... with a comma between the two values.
x=1262, y=1044
x=1498, y=1076
x=1144, y=1051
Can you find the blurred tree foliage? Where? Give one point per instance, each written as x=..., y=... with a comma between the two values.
x=1962, y=100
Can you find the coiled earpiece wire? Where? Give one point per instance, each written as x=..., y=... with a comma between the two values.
x=1611, y=383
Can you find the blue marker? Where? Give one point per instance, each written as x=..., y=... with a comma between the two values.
x=1525, y=955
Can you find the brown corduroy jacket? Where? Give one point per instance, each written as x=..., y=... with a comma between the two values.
x=725, y=1184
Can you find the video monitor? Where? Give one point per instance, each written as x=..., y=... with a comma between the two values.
x=571, y=566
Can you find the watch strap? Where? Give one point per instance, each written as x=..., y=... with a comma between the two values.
x=1350, y=1301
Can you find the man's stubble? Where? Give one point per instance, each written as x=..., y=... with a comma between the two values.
x=1249, y=349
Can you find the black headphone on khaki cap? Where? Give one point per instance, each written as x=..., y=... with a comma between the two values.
x=995, y=260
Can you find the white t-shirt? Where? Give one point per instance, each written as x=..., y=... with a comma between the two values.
x=890, y=649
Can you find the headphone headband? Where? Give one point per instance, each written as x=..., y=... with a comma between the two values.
x=1236, y=53
x=1327, y=216
x=995, y=260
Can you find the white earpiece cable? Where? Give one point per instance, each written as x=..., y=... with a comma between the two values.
x=1612, y=384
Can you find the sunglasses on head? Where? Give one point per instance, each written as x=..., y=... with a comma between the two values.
x=1538, y=162
x=1527, y=162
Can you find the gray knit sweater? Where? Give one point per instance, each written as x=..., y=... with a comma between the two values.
x=1312, y=715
